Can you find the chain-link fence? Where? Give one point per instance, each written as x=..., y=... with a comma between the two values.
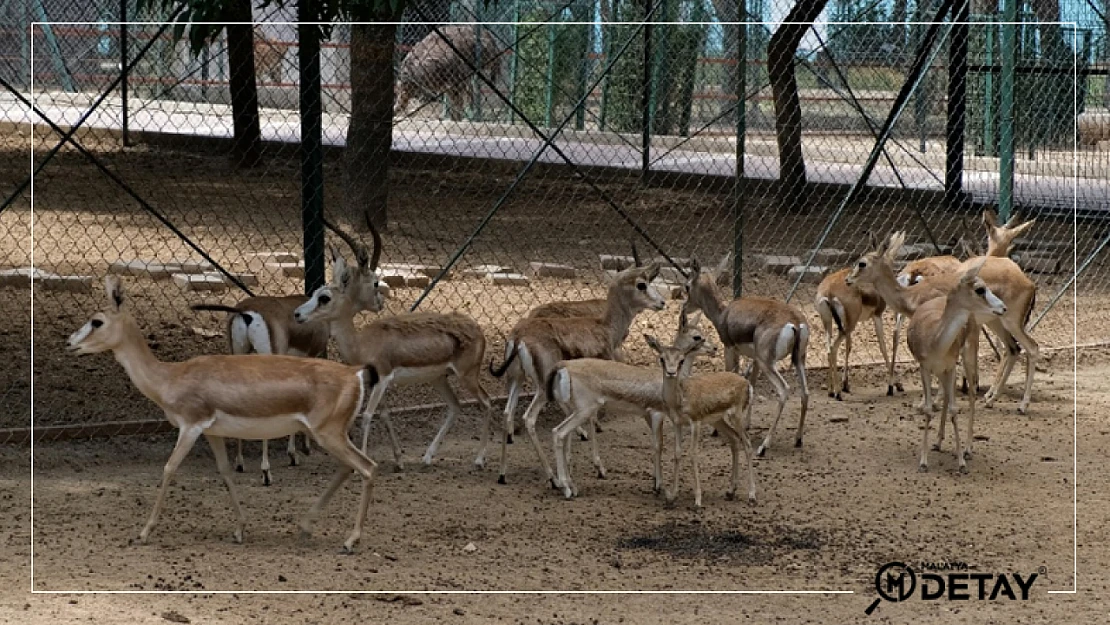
x=648, y=119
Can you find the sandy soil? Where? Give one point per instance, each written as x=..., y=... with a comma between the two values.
x=828, y=515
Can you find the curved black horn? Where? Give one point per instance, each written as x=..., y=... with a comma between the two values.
x=358, y=248
x=377, y=254
x=636, y=254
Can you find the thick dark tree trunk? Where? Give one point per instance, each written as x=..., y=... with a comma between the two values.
x=788, y=110
x=370, y=135
x=246, y=148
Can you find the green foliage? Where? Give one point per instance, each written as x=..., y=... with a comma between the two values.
x=550, y=64
x=190, y=15
x=676, y=61
x=624, y=86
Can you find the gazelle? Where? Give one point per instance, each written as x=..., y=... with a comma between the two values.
x=405, y=349
x=762, y=329
x=1001, y=275
x=540, y=343
x=246, y=396
x=843, y=306
x=937, y=332
x=585, y=385
x=721, y=399
x=265, y=325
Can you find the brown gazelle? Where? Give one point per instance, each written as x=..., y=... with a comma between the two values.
x=265, y=325
x=410, y=348
x=1001, y=275
x=721, y=399
x=841, y=307
x=585, y=385
x=252, y=396
x=540, y=343
x=762, y=329
x=937, y=333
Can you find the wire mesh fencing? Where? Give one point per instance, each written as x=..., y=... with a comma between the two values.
x=480, y=212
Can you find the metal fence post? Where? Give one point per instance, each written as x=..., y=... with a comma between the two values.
x=124, y=71
x=957, y=106
x=1006, y=111
x=645, y=96
x=312, y=162
x=739, y=188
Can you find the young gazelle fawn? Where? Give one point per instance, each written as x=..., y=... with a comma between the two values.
x=584, y=386
x=841, y=307
x=721, y=399
x=265, y=325
x=405, y=349
x=540, y=343
x=762, y=329
x=937, y=332
x=253, y=396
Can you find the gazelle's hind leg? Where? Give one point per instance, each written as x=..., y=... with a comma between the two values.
x=539, y=400
x=782, y=391
x=847, y=355
x=335, y=442
x=266, y=478
x=948, y=379
x=453, y=411
x=239, y=464
x=880, y=335
x=474, y=387
x=893, y=382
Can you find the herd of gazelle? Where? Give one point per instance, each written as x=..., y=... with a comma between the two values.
x=570, y=352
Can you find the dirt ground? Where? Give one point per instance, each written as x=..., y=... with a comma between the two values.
x=828, y=515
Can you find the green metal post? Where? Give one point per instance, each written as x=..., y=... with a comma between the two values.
x=1006, y=111
x=513, y=62
x=549, y=87
x=55, y=51
x=988, y=105
x=739, y=190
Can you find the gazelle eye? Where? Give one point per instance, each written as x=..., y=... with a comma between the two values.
x=96, y=323
x=981, y=290
x=324, y=299
x=862, y=264
x=641, y=285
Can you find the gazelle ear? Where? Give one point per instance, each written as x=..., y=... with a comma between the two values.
x=340, y=275
x=973, y=271
x=695, y=267
x=653, y=343
x=682, y=319
x=1017, y=231
x=114, y=290
x=652, y=271
x=895, y=244
x=693, y=320
x=990, y=218
x=873, y=241
x=335, y=254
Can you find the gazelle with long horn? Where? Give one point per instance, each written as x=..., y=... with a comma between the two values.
x=937, y=333
x=252, y=396
x=540, y=343
x=265, y=325
x=405, y=349
x=762, y=329
x=584, y=386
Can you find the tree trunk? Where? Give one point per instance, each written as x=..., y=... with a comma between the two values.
x=370, y=134
x=1054, y=48
x=246, y=147
x=788, y=111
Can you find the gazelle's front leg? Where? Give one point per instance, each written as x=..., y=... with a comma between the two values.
x=695, y=439
x=186, y=438
x=676, y=421
x=240, y=466
x=291, y=450
x=893, y=382
x=266, y=479
x=219, y=450
x=880, y=336
x=948, y=378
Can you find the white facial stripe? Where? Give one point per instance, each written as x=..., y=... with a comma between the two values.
x=903, y=279
x=81, y=335
x=994, y=300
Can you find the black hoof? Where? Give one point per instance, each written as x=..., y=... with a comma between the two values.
x=583, y=437
x=553, y=484
x=759, y=452
x=832, y=394
x=266, y=479
x=730, y=496
x=798, y=443
x=601, y=475
x=501, y=479
x=889, y=391
x=901, y=389
x=509, y=439
x=838, y=397
x=714, y=433
x=293, y=461
x=238, y=468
